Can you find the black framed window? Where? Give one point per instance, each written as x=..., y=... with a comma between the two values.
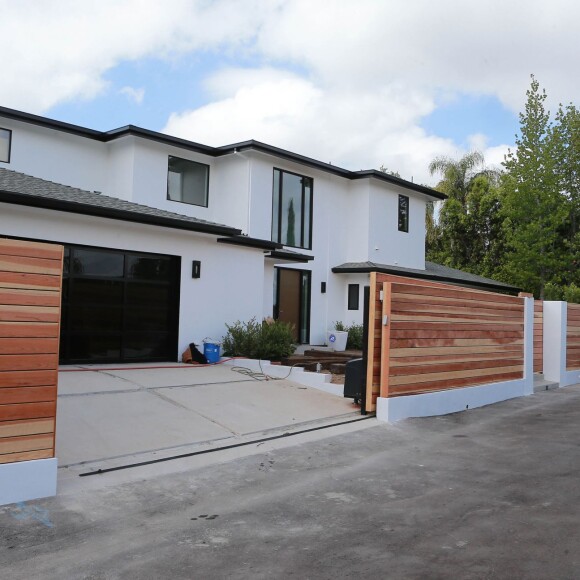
x=187, y=181
x=292, y=209
x=403, y=213
x=5, y=145
x=353, y=296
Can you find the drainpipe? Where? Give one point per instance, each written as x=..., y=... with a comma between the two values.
x=240, y=154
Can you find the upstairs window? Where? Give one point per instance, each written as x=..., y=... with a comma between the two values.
x=292, y=210
x=187, y=181
x=403, y=213
x=5, y=142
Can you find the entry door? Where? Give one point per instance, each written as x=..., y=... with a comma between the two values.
x=293, y=301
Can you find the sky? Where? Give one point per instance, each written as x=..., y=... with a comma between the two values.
x=357, y=83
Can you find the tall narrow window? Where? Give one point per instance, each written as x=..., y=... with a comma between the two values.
x=187, y=181
x=353, y=296
x=5, y=141
x=292, y=209
x=403, y=213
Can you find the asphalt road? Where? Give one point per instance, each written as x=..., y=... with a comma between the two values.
x=489, y=493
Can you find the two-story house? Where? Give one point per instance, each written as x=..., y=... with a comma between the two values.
x=167, y=240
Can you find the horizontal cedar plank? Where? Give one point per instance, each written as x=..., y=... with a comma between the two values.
x=411, y=317
x=28, y=378
x=27, y=411
x=458, y=310
x=30, y=249
x=30, y=265
x=474, y=342
x=434, y=333
x=26, y=297
x=452, y=350
x=28, y=362
x=475, y=373
x=418, y=388
x=28, y=346
x=26, y=443
x=29, y=281
x=26, y=427
x=29, y=329
x=27, y=456
x=418, y=299
x=453, y=366
x=439, y=359
x=456, y=292
x=13, y=313
x=13, y=395
x=451, y=326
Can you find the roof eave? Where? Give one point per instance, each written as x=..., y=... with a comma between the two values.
x=116, y=214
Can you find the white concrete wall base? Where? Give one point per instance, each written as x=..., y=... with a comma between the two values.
x=26, y=480
x=395, y=409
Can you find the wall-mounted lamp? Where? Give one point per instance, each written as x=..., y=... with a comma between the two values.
x=323, y=287
x=196, y=269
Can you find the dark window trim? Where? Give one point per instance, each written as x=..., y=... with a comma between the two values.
x=207, y=185
x=353, y=296
x=303, y=195
x=9, y=144
x=403, y=225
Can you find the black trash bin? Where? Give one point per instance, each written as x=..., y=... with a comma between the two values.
x=355, y=376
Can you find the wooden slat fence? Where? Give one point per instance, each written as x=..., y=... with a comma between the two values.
x=573, y=337
x=30, y=290
x=538, y=336
x=440, y=336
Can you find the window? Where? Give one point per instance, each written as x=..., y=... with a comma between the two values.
x=5, y=141
x=403, y=213
x=353, y=294
x=292, y=210
x=187, y=181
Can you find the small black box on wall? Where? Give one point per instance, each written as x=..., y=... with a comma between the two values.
x=195, y=269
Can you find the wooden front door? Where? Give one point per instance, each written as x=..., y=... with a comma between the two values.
x=292, y=301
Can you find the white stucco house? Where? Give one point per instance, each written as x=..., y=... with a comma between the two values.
x=167, y=240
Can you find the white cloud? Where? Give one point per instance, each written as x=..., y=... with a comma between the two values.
x=133, y=94
x=347, y=82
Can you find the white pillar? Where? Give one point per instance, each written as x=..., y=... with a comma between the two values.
x=528, y=386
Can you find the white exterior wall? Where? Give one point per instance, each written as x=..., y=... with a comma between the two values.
x=57, y=156
x=386, y=244
x=231, y=282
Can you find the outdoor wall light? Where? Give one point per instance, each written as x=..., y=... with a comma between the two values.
x=323, y=287
x=195, y=269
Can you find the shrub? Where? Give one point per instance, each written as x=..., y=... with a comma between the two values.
x=552, y=291
x=269, y=339
x=571, y=293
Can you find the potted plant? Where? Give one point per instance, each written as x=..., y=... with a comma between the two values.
x=338, y=337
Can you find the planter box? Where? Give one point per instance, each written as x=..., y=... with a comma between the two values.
x=337, y=339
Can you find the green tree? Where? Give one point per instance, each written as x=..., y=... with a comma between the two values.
x=467, y=234
x=534, y=209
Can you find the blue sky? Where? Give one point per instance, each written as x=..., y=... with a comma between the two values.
x=360, y=84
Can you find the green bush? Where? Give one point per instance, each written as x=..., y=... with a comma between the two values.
x=571, y=293
x=355, y=334
x=552, y=291
x=269, y=339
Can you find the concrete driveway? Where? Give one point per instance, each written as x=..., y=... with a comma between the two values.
x=111, y=415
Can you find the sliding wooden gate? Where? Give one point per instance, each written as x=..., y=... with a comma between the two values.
x=30, y=288
x=429, y=336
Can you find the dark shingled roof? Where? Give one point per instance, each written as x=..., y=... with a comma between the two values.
x=251, y=145
x=432, y=271
x=21, y=189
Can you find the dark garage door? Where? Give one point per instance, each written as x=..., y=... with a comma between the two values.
x=119, y=306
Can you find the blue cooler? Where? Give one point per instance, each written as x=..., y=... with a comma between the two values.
x=211, y=350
